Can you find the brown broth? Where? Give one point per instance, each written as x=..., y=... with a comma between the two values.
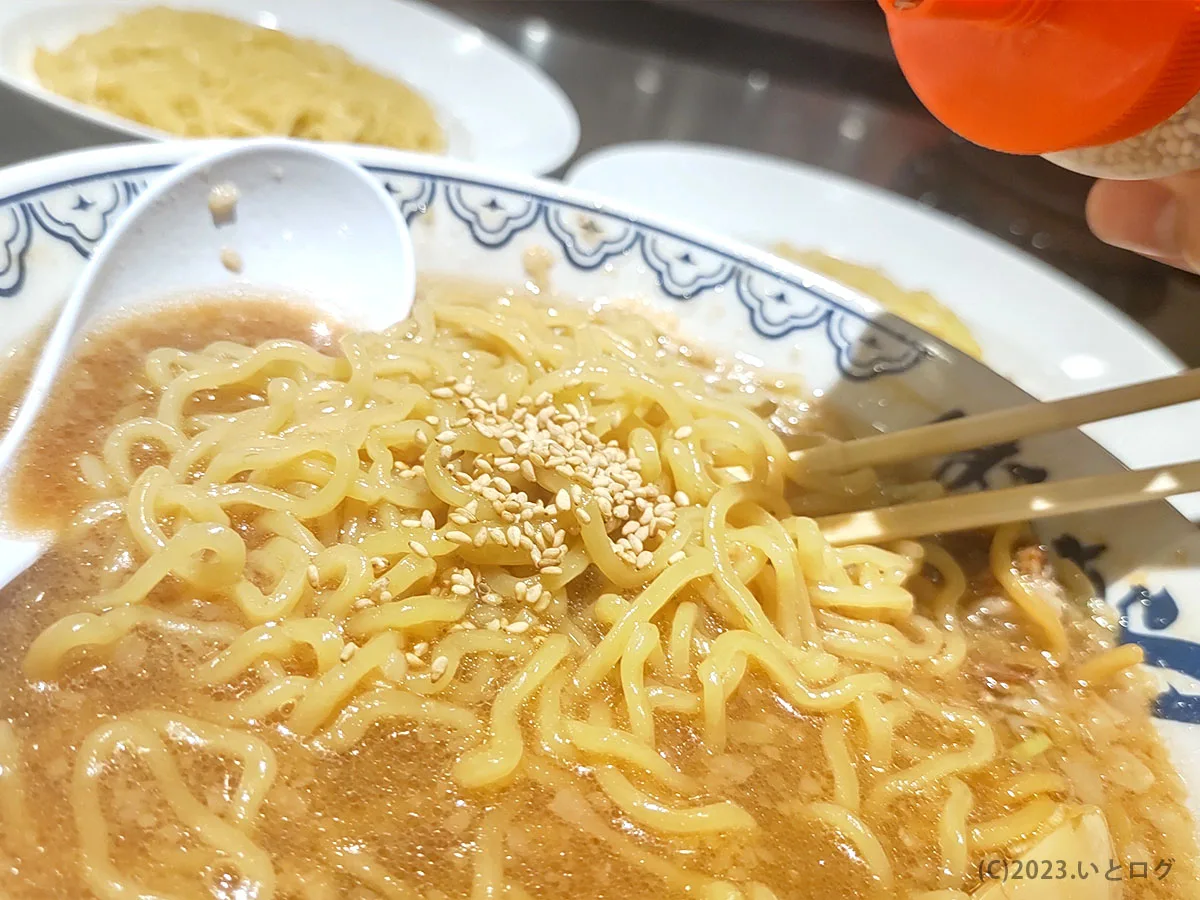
x=393, y=796
x=103, y=384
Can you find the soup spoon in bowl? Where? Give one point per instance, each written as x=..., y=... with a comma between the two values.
x=269, y=217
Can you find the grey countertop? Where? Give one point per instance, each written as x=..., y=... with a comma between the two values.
x=786, y=78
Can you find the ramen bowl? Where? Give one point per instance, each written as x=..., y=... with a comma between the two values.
x=876, y=371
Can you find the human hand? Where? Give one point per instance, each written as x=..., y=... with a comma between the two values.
x=1159, y=219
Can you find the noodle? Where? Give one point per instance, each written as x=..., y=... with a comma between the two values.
x=198, y=74
x=511, y=600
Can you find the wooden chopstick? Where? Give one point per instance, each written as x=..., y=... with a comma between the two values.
x=999, y=426
x=961, y=512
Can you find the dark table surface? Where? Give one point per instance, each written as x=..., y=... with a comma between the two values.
x=782, y=78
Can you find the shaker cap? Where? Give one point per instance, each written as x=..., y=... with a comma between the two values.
x=1042, y=76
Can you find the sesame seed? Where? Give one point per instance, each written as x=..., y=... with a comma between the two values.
x=433, y=420
x=438, y=667
x=644, y=558
x=418, y=548
x=411, y=523
x=583, y=515
x=562, y=499
x=493, y=625
x=508, y=446
x=480, y=538
x=676, y=557
x=362, y=603
x=413, y=660
x=385, y=596
x=460, y=589
x=534, y=593
x=447, y=436
x=427, y=520
x=682, y=434
x=682, y=499
x=514, y=536
x=348, y=651
x=421, y=648
x=314, y=575
x=442, y=393
x=518, y=627
x=552, y=570
x=458, y=537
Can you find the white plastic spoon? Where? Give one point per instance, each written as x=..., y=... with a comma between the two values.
x=306, y=224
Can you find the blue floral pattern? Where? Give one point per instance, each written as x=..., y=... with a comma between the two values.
x=83, y=216
x=776, y=306
x=495, y=216
x=589, y=240
x=80, y=212
x=684, y=268
x=866, y=350
x=413, y=195
x=16, y=233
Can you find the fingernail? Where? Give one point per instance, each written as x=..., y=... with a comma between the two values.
x=1141, y=216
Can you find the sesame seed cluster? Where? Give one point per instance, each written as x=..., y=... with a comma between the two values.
x=535, y=436
x=544, y=464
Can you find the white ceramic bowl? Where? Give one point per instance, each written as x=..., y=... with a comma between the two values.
x=496, y=107
x=879, y=370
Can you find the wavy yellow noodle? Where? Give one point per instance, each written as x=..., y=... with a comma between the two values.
x=518, y=599
x=199, y=74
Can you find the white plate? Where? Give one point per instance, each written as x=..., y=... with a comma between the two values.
x=496, y=108
x=1048, y=334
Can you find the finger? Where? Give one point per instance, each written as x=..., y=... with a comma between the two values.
x=1186, y=190
x=1142, y=216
